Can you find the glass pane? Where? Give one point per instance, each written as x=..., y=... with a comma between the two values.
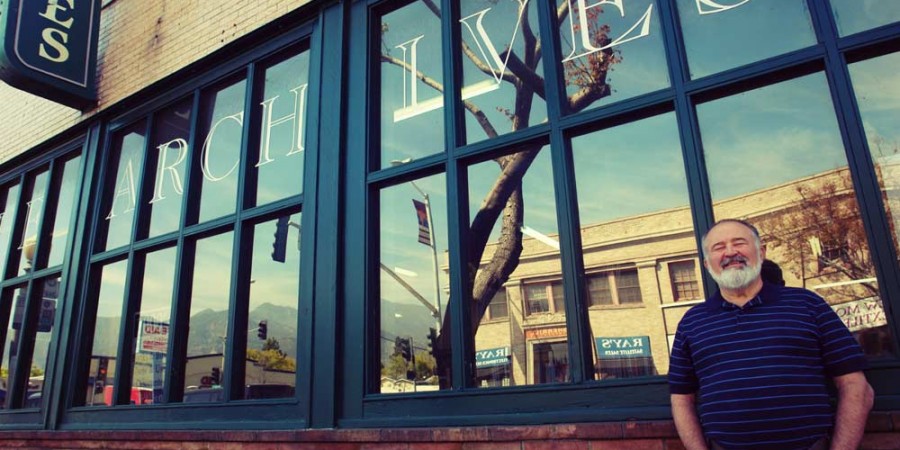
x=874, y=82
x=725, y=34
x=854, y=16
x=208, y=333
x=274, y=298
x=515, y=239
x=502, y=88
x=611, y=51
x=280, y=165
x=148, y=379
x=36, y=186
x=800, y=194
x=67, y=198
x=222, y=122
x=635, y=213
x=128, y=150
x=413, y=273
x=169, y=148
x=49, y=304
x=105, y=349
x=13, y=336
x=412, y=119
x=7, y=217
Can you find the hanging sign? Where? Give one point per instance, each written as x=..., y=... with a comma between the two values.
x=49, y=48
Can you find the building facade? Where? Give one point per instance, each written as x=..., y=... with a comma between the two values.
x=465, y=217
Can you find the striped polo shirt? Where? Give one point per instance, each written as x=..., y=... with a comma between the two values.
x=760, y=371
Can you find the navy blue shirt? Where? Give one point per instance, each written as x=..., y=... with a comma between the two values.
x=760, y=371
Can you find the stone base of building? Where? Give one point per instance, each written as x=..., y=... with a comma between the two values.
x=882, y=433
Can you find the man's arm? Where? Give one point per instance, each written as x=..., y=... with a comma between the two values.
x=684, y=411
x=855, y=398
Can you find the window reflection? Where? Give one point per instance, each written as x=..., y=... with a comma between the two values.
x=611, y=51
x=853, y=16
x=874, y=82
x=502, y=72
x=169, y=150
x=274, y=307
x=105, y=348
x=149, y=370
x=725, y=34
x=121, y=197
x=283, y=141
x=208, y=330
x=65, y=204
x=516, y=245
x=635, y=218
x=774, y=155
x=13, y=308
x=36, y=192
x=412, y=121
x=10, y=205
x=222, y=123
x=47, y=305
x=413, y=273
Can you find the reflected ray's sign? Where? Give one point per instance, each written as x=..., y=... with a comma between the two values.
x=49, y=48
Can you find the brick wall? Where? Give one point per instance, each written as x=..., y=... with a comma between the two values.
x=883, y=432
x=140, y=42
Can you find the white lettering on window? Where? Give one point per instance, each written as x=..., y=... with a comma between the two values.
x=298, y=116
x=31, y=221
x=712, y=7
x=640, y=29
x=125, y=188
x=207, y=148
x=182, y=146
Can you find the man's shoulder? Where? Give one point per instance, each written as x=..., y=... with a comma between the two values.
x=696, y=313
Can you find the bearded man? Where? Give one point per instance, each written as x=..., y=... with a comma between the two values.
x=755, y=358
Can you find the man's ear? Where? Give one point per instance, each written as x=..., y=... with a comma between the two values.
x=762, y=251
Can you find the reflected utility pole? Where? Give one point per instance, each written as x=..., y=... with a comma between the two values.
x=434, y=259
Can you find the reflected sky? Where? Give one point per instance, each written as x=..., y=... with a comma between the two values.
x=720, y=39
x=629, y=170
x=65, y=203
x=770, y=136
x=170, y=145
x=120, y=217
x=221, y=152
x=878, y=96
x=853, y=16
x=422, y=133
x=284, y=142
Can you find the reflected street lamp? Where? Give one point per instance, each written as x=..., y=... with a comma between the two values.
x=434, y=260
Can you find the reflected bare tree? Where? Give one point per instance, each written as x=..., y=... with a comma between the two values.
x=504, y=201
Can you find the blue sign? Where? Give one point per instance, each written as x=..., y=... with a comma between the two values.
x=491, y=357
x=623, y=347
x=49, y=48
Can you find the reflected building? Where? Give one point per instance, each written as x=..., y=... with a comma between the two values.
x=642, y=273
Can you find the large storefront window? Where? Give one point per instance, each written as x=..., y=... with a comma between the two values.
x=194, y=289
x=35, y=231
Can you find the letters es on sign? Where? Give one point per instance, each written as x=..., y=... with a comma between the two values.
x=49, y=48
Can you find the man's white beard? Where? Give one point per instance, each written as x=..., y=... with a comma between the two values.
x=737, y=277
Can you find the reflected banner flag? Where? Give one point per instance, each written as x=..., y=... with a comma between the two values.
x=422, y=216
